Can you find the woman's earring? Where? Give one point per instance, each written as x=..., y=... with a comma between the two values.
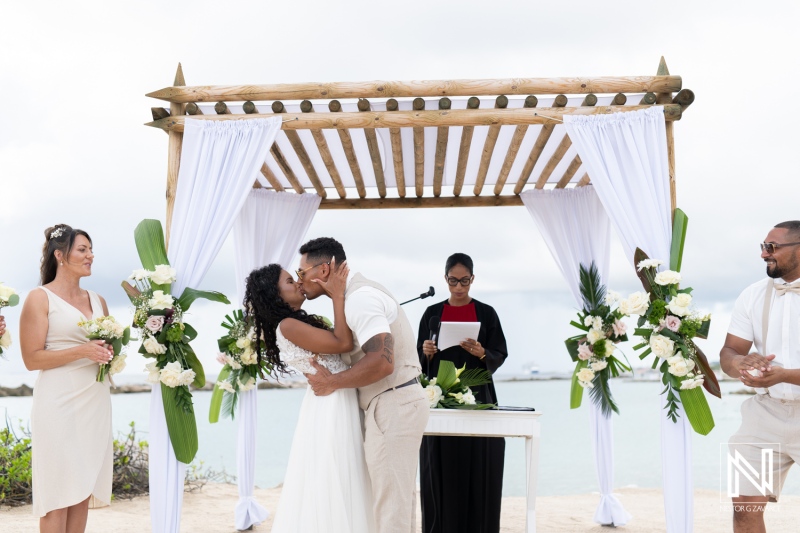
x=62, y=263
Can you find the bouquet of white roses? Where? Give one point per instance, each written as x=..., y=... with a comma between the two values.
x=593, y=351
x=242, y=367
x=450, y=389
x=159, y=317
x=8, y=298
x=113, y=333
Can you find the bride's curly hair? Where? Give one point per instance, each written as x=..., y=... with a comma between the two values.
x=263, y=303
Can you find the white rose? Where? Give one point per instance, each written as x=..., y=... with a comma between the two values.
x=163, y=275
x=117, y=364
x=588, y=321
x=170, y=375
x=594, y=335
x=600, y=365
x=649, y=263
x=668, y=277
x=153, y=376
x=679, y=305
x=226, y=386
x=597, y=323
x=186, y=377
x=249, y=356
x=5, y=340
x=434, y=394
x=139, y=274
x=636, y=304
x=6, y=292
x=613, y=297
x=692, y=383
x=160, y=300
x=585, y=375
x=247, y=384
x=661, y=346
x=151, y=345
x=232, y=363
x=469, y=398
x=242, y=343
x=609, y=347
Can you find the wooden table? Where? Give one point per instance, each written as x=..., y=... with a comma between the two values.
x=491, y=423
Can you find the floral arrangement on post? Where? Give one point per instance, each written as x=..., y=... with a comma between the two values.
x=667, y=324
x=114, y=334
x=450, y=389
x=593, y=351
x=159, y=317
x=8, y=298
x=242, y=366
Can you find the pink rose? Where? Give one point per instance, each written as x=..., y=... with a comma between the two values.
x=221, y=359
x=672, y=323
x=154, y=323
x=584, y=352
x=619, y=328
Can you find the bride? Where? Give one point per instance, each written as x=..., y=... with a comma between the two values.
x=327, y=487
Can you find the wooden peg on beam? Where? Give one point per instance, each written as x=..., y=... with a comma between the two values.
x=222, y=108
x=159, y=113
x=648, y=99
x=619, y=99
x=193, y=109
x=250, y=108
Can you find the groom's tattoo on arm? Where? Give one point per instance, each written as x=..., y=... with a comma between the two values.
x=383, y=344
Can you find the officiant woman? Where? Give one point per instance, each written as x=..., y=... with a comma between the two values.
x=461, y=478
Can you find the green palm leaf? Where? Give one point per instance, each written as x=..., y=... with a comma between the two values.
x=446, y=376
x=190, y=295
x=180, y=424
x=474, y=377
x=149, y=237
x=216, y=396
x=601, y=394
x=593, y=291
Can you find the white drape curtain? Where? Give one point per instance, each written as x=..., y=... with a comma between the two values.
x=626, y=156
x=269, y=229
x=577, y=231
x=219, y=164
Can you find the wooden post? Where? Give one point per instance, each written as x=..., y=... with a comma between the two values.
x=538, y=146
x=271, y=178
x=419, y=151
x=322, y=145
x=442, y=134
x=174, y=155
x=374, y=151
x=397, y=152
x=463, y=149
x=302, y=155
x=513, y=148
x=347, y=144
x=488, y=148
x=584, y=181
x=666, y=98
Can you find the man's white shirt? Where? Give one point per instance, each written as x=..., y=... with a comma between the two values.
x=784, y=330
x=369, y=312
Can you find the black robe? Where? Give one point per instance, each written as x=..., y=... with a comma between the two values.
x=461, y=478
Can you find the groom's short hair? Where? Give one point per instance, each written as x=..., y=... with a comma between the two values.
x=323, y=249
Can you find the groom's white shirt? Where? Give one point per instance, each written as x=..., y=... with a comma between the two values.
x=369, y=311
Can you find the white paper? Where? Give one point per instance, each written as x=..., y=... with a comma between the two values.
x=453, y=333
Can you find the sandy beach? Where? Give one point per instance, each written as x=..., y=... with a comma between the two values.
x=211, y=509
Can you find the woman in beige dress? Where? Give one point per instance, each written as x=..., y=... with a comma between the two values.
x=71, y=415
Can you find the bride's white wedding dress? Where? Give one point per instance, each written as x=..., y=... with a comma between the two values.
x=326, y=488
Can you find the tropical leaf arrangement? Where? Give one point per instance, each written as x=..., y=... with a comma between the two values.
x=451, y=388
x=667, y=324
x=166, y=337
x=594, y=349
x=8, y=298
x=242, y=366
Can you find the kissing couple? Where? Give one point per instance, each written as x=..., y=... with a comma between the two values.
x=340, y=477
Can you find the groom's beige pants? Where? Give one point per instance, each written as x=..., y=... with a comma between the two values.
x=394, y=423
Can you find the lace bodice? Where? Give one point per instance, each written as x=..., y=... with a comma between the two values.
x=299, y=359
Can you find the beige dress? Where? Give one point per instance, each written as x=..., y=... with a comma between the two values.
x=72, y=444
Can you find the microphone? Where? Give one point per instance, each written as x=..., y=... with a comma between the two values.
x=434, y=323
x=430, y=292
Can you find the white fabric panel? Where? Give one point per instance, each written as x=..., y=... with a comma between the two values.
x=626, y=156
x=577, y=231
x=269, y=229
x=453, y=145
x=219, y=163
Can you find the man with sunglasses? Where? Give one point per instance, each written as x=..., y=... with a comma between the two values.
x=767, y=317
x=385, y=370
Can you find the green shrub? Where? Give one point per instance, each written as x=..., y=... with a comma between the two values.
x=15, y=467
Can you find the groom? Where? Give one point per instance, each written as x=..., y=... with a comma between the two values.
x=385, y=370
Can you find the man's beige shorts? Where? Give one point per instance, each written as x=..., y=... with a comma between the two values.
x=767, y=423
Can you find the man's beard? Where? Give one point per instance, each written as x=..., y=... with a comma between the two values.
x=778, y=271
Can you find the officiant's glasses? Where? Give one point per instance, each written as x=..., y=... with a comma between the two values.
x=770, y=247
x=300, y=273
x=463, y=281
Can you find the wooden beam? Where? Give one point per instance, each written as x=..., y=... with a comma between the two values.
x=422, y=119
x=159, y=113
x=280, y=159
x=374, y=151
x=302, y=154
x=685, y=98
x=174, y=154
x=584, y=181
x=442, y=134
x=573, y=167
x=397, y=152
x=536, y=151
x=412, y=202
x=347, y=144
x=419, y=150
x=513, y=148
x=193, y=109
x=501, y=102
x=436, y=88
x=464, y=148
x=322, y=145
x=665, y=97
x=554, y=160
x=271, y=178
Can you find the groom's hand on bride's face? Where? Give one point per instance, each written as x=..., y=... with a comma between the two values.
x=321, y=382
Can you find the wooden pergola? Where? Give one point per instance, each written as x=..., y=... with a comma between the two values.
x=489, y=134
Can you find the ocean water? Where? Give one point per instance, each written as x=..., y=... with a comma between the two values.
x=566, y=465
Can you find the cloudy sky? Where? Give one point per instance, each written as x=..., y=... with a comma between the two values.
x=73, y=148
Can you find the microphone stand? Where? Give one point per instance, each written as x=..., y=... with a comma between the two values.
x=430, y=292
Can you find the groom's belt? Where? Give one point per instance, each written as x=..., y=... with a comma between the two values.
x=406, y=384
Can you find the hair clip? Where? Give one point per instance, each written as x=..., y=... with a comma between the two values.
x=56, y=233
